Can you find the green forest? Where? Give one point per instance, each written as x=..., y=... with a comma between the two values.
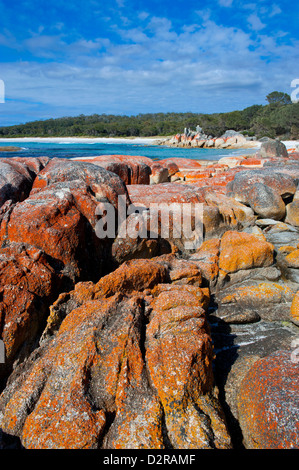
x=278, y=118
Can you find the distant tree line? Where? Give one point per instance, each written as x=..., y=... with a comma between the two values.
x=279, y=118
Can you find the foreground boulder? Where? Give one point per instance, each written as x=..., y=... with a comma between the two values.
x=52, y=221
x=49, y=242
x=105, y=185
x=15, y=182
x=268, y=403
x=105, y=379
x=29, y=283
x=132, y=170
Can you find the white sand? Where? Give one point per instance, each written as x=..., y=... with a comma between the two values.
x=85, y=140
x=110, y=140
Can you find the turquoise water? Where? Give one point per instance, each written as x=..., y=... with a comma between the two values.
x=72, y=150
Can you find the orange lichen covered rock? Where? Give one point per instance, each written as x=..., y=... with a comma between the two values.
x=267, y=300
x=182, y=163
x=61, y=219
x=179, y=357
x=112, y=370
x=50, y=221
x=207, y=258
x=294, y=313
x=292, y=259
x=104, y=184
x=268, y=403
x=28, y=284
x=131, y=169
x=133, y=275
x=244, y=251
x=164, y=193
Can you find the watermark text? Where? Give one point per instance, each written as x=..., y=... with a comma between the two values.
x=159, y=220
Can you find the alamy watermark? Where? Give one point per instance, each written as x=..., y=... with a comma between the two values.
x=2, y=91
x=159, y=220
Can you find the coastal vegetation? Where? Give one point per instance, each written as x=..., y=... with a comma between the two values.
x=278, y=118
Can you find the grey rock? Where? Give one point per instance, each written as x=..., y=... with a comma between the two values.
x=266, y=202
x=273, y=148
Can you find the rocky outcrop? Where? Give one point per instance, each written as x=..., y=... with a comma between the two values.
x=48, y=243
x=16, y=178
x=148, y=342
x=129, y=366
x=29, y=282
x=132, y=170
x=198, y=139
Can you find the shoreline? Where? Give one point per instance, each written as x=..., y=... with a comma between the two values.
x=89, y=140
x=110, y=140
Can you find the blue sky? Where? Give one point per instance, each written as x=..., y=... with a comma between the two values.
x=61, y=58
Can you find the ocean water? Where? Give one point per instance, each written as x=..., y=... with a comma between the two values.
x=63, y=149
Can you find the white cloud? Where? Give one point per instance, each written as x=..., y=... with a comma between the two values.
x=151, y=68
x=255, y=22
x=276, y=10
x=143, y=15
x=225, y=3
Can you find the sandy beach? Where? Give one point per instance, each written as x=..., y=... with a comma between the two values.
x=110, y=140
x=87, y=140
